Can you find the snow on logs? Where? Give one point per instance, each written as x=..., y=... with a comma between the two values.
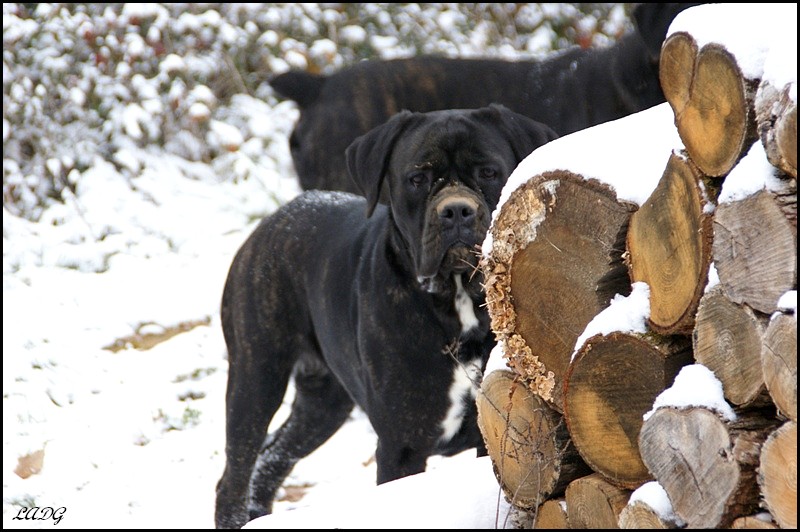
x=698, y=216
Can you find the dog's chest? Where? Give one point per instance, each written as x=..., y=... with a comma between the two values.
x=462, y=389
x=463, y=385
x=465, y=308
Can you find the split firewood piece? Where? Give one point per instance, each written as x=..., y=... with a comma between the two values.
x=552, y=515
x=593, y=502
x=777, y=475
x=568, y=236
x=706, y=465
x=611, y=383
x=776, y=115
x=779, y=361
x=728, y=339
x=712, y=101
x=649, y=507
x=755, y=234
x=760, y=521
x=531, y=451
x=669, y=245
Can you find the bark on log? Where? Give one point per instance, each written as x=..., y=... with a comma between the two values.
x=706, y=466
x=776, y=115
x=556, y=263
x=669, y=245
x=755, y=247
x=728, y=339
x=712, y=101
x=640, y=515
x=594, y=502
x=611, y=383
x=552, y=515
x=531, y=451
x=777, y=475
x=753, y=522
x=779, y=363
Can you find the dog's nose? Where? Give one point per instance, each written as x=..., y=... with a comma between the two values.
x=456, y=214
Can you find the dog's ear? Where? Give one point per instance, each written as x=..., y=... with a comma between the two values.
x=302, y=87
x=522, y=133
x=368, y=156
x=652, y=23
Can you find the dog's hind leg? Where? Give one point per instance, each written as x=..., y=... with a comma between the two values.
x=255, y=392
x=321, y=406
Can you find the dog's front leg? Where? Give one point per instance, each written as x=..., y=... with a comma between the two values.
x=397, y=460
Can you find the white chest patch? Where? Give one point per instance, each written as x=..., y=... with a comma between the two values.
x=464, y=306
x=465, y=378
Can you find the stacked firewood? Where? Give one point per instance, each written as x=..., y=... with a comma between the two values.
x=710, y=242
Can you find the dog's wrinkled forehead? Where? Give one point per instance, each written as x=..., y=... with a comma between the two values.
x=446, y=141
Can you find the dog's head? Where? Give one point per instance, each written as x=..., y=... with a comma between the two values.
x=444, y=172
x=328, y=122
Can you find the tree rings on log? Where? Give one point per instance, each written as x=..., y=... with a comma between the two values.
x=593, y=502
x=531, y=451
x=556, y=263
x=669, y=246
x=611, y=383
x=712, y=102
x=776, y=115
x=706, y=466
x=779, y=363
x=777, y=475
x=755, y=247
x=727, y=340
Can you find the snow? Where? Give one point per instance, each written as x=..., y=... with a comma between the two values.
x=632, y=172
x=627, y=314
x=694, y=386
x=750, y=32
x=633, y=176
x=653, y=495
x=752, y=174
x=788, y=303
x=461, y=494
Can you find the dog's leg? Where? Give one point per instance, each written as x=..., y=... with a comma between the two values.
x=321, y=405
x=396, y=461
x=255, y=392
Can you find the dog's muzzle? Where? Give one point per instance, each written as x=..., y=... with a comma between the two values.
x=456, y=222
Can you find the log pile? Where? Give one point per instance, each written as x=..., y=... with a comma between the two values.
x=703, y=215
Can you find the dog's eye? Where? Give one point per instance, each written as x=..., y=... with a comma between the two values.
x=487, y=172
x=418, y=179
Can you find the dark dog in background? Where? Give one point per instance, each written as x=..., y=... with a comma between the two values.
x=569, y=91
x=368, y=304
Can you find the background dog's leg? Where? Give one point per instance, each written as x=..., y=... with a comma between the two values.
x=321, y=405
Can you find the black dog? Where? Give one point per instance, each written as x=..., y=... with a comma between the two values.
x=383, y=310
x=568, y=91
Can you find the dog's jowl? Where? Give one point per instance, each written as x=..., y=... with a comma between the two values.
x=369, y=304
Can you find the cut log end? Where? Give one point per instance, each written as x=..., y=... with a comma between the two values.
x=611, y=384
x=779, y=363
x=669, y=246
x=778, y=475
x=595, y=503
x=545, y=279
x=527, y=440
x=712, y=102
